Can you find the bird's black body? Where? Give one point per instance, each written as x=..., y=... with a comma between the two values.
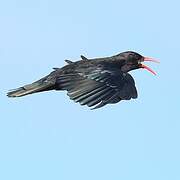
x=91, y=82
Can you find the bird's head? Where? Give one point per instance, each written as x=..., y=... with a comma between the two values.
x=133, y=60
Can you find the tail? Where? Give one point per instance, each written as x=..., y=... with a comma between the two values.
x=37, y=86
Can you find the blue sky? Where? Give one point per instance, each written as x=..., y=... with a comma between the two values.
x=47, y=136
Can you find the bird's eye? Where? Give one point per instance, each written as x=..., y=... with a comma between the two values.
x=130, y=57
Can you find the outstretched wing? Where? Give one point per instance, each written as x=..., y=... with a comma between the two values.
x=98, y=87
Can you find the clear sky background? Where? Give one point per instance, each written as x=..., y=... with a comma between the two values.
x=47, y=136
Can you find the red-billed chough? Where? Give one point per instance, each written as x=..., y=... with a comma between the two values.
x=92, y=82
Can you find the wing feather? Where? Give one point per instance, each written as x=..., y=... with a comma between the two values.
x=98, y=87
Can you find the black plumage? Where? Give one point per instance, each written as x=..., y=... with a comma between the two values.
x=92, y=82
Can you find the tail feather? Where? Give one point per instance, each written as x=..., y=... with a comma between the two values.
x=30, y=88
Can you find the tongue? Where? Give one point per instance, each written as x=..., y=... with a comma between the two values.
x=147, y=68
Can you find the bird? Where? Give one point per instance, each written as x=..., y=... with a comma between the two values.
x=93, y=82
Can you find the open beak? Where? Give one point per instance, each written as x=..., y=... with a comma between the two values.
x=146, y=67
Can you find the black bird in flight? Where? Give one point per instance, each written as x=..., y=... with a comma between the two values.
x=92, y=82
